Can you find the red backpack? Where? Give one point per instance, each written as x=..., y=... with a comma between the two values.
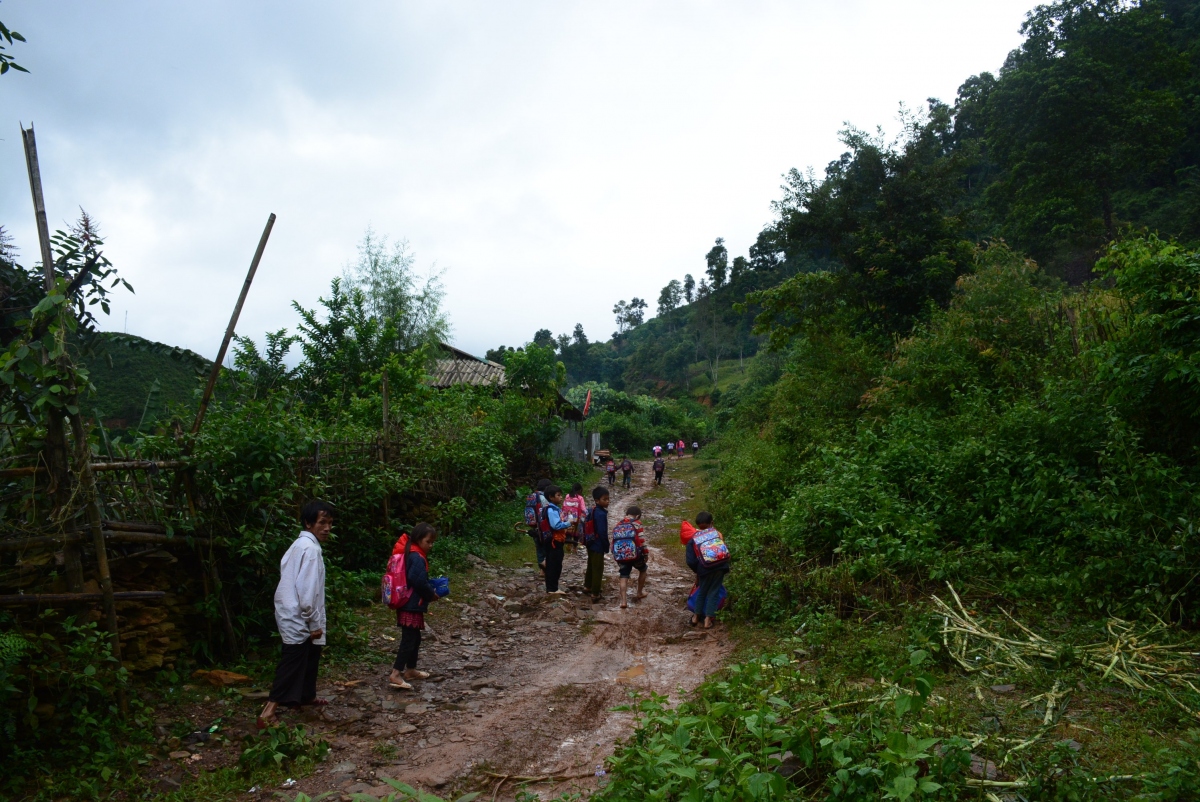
x=394, y=586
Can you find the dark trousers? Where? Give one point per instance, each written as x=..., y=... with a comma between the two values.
x=626, y=479
x=410, y=644
x=658, y=477
x=612, y=479
x=554, y=560
x=296, y=674
x=537, y=545
x=593, y=579
x=707, y=596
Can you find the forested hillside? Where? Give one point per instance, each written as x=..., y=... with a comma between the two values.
x=1089, y=129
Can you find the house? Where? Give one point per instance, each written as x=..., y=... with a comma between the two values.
x=457, y=367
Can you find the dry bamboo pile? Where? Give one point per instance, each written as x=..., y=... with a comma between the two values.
x=1129, y=655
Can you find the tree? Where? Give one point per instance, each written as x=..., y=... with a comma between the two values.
x=718, y=264
x=6, y=61
x=621, y=313
x=392, y=291
x=689, y=288
x=544, y=339
x=739, y=268
x=669, y=298
x=636, y=312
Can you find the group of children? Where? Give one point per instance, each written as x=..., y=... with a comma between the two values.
x=558, y=523
x=676, y=449
x=555, y=520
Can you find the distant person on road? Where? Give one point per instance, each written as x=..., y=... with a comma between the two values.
x=627, y=473
x=300, y=615
x=611, y=470
x=659, y=466
x=630, y=551
x=695, y=447
x=657, y=451
x=554, y=534
x=411, y=617
x=574, y=509
x=670, y=448
x=708, y=556
x=680, y=448
x=597, y=545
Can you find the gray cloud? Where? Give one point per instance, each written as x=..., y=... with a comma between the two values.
x=553, y=157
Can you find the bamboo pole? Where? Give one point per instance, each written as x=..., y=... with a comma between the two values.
x=237, y=311
x=98, y=467
x=386, y=444
x=55, y=450
x=57, y=599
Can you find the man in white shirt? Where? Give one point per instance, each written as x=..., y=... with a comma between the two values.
x=300, y=614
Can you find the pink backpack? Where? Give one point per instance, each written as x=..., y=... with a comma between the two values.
x=394, y=587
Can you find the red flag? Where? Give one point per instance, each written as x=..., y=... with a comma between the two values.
x=587, y=403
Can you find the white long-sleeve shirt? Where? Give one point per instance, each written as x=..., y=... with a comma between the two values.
x=300, y=596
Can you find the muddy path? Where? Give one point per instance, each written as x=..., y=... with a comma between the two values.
x=523, y=684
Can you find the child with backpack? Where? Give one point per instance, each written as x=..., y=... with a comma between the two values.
x=627, y=473
x=575, y=510
x=659, y=467
x=708, y=556
x=535, y=502
x=629, y=550
x=554, y=534
x=410, y=616
x=596, y=543
x=610, y=468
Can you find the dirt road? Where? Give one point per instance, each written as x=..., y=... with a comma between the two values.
x=523, y=683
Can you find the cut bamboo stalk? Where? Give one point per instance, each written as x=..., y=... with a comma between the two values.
x=59, y=599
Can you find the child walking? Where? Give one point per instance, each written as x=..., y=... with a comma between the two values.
x=627, y=473
x=708, y=556
x=611, y=470
x=411, y=617
x=300, y=615
x=574, y=510
x=555, y=536
x=629, y=550
x=659, y=466
x=597, y=545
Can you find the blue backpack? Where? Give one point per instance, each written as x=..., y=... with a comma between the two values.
x=533, y=509
x=624, y=546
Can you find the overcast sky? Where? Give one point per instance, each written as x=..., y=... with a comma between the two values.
x=553, y=157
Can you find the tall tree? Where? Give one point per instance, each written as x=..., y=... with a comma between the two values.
x=386, y=276
x=717, y=260
x=669, y=298
x=689, y=288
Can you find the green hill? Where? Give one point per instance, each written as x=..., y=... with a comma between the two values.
x=135, y=378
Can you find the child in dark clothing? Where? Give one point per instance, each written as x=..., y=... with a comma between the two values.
x=411, y=617
x=659, y=467
x=611, y=470
x=627, y=473
x=709, y=578
x=597, y=545
x=630, y=529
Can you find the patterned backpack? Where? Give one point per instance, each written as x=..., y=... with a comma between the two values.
x=624, y=544
x=710, y=547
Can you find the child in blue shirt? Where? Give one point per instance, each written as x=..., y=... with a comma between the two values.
x=553, y=543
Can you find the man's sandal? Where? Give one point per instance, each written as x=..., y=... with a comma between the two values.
x=400, y=686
